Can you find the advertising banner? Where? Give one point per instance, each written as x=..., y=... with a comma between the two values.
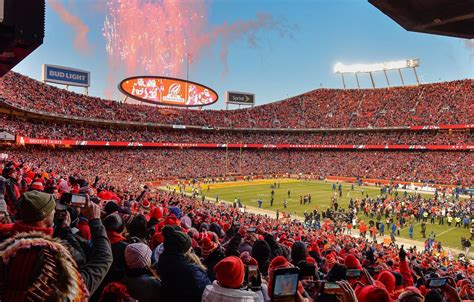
x=442, y=127
x=65, y=75
x=240, y=98
x=35, y=141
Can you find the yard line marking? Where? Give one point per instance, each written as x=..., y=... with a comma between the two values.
x=448, y=230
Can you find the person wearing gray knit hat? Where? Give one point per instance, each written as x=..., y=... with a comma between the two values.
x=137, y=256
x=140, y=280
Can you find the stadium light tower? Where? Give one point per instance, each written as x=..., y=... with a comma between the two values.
x=357, y=69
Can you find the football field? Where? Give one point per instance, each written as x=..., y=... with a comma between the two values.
x=321, y=193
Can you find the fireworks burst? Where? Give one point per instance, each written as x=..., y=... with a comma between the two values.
x=152, y=36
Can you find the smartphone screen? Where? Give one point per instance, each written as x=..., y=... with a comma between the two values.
x=331, y=288
x=436, y=282
x=253, y=277
x=252, y=271
x=285, y=287
x=78, y=200
x=331, y=285
x=353, y=273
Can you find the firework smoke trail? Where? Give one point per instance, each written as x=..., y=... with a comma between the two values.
x=155, y=36
x=80, y=28
x=227, y=33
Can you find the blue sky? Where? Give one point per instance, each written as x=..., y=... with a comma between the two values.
x=323, y=32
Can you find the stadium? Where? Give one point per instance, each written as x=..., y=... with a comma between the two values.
x=334, y=194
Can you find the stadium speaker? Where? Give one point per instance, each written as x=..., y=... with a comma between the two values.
x=21, y=30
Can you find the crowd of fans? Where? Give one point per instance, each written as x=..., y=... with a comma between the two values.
x=129, y=167
x=75, y=131
x=389, y=213
x=431, y=104
x=66, y=236
x=77, y=224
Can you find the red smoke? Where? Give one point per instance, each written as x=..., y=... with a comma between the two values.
x=80, y=29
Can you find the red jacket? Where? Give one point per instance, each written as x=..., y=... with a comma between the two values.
x=406, y=274
x=84, y=229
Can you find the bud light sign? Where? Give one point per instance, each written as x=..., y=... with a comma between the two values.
x=65, y=76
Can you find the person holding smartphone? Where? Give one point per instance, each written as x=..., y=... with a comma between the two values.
x=43, y=260
x=228, y=286
x=282, y=283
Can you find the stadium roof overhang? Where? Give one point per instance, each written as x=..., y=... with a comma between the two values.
x=441, y=17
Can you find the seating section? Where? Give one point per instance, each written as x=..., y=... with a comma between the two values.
x=67, y=130
x=130, y=167
x=432, y=104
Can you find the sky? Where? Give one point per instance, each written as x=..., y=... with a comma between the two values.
x=273, y=48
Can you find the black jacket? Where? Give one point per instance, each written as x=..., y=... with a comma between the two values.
x=100, y=260
x=142, y=286
x=211, y=260
x=181, y=280
x=11, y=197
x=117, y=269
x=75, y=244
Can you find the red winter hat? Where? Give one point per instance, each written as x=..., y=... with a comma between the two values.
x=379, y=284
x=172, y=220
x=115, y=291
x=226, y=227
x=331, y=260
x=207, y=247
x=242, y=231
x=230, y=272
x=278, y=262
x=315, y=248
x=310, y=260
x=388, y=279
x=372, y=293
x=423, y=290
x=37, y=185
x=351, y=262
x=156, y=213
x=146, y=204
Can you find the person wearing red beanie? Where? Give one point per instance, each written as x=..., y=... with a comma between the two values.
x=279, y=262
x=372, y=293
x=230, y=273
x=388, y=279
x=351, y=262
x=156, y=213
x=331, y=259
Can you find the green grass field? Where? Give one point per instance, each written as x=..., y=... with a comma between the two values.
x=321, y=194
